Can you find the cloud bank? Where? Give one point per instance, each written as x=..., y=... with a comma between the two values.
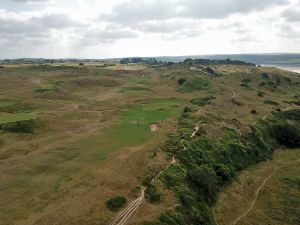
x=90, y=28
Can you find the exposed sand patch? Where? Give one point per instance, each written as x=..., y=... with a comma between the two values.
x=154, y=127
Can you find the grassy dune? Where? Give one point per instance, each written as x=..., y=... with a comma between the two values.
x=95, y=141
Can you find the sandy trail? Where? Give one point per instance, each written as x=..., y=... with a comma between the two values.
x=125, y=214
x=256, y=196
x=196, y=131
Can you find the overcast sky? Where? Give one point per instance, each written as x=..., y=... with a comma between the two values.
x=121, y=28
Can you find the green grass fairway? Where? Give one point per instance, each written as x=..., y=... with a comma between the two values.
x=10, y=118
x=133, y=128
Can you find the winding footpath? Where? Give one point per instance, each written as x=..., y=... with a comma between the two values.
x=254, y=200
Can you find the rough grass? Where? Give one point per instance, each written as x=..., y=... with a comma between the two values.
x=278, y=201
x=6, y=103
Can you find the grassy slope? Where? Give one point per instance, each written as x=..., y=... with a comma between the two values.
x=277, y=202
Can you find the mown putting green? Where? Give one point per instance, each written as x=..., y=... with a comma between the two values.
x=10, y=117
x=133, y=128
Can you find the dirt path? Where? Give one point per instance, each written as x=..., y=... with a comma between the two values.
x=182, y=143
x=196, y=131
x=256, y=196
x=131, y=208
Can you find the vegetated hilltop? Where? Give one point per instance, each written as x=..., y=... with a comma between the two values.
x=159, y=139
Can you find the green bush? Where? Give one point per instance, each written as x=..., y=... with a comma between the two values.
x=26, y=126
x=195, y=84
x=181, y=81
x=205, y=180
x=166, y=219
x=253, y=111
x=203, y=101
x=260, y=94
x=270, y=102
x=288, y=133
x=116, y=203
x=152, y=195
x=246, y=80
x=246, y=85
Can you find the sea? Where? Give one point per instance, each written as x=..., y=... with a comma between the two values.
x=293, y=68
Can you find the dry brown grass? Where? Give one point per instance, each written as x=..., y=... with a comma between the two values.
x=276, y=200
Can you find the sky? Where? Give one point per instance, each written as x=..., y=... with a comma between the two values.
x=127, y=28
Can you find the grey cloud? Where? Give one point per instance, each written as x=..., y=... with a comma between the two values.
x=166, y=26
x=134, y=11
x=98, y=36
x=292, y=15
x=289, y=32
x=223, y=8
x=30, y=0
x=56, y=21
x=16, y=26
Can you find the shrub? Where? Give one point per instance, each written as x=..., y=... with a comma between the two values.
x=26, y=126
x=205, y=180
x=181, y=81
x=270, y=102
x=81, y=64
x=224, y=173
x=246, y=80
x=116, y=203
x=152, y=195
x=288, y=133
x=246, y=85
x=203, y=101
x=195, y=84
x=166, y=219
x=260, y=94
x=253, y=111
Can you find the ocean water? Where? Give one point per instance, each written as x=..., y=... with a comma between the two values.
x=292, y=68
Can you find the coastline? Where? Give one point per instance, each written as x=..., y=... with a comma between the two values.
x=295, y=69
